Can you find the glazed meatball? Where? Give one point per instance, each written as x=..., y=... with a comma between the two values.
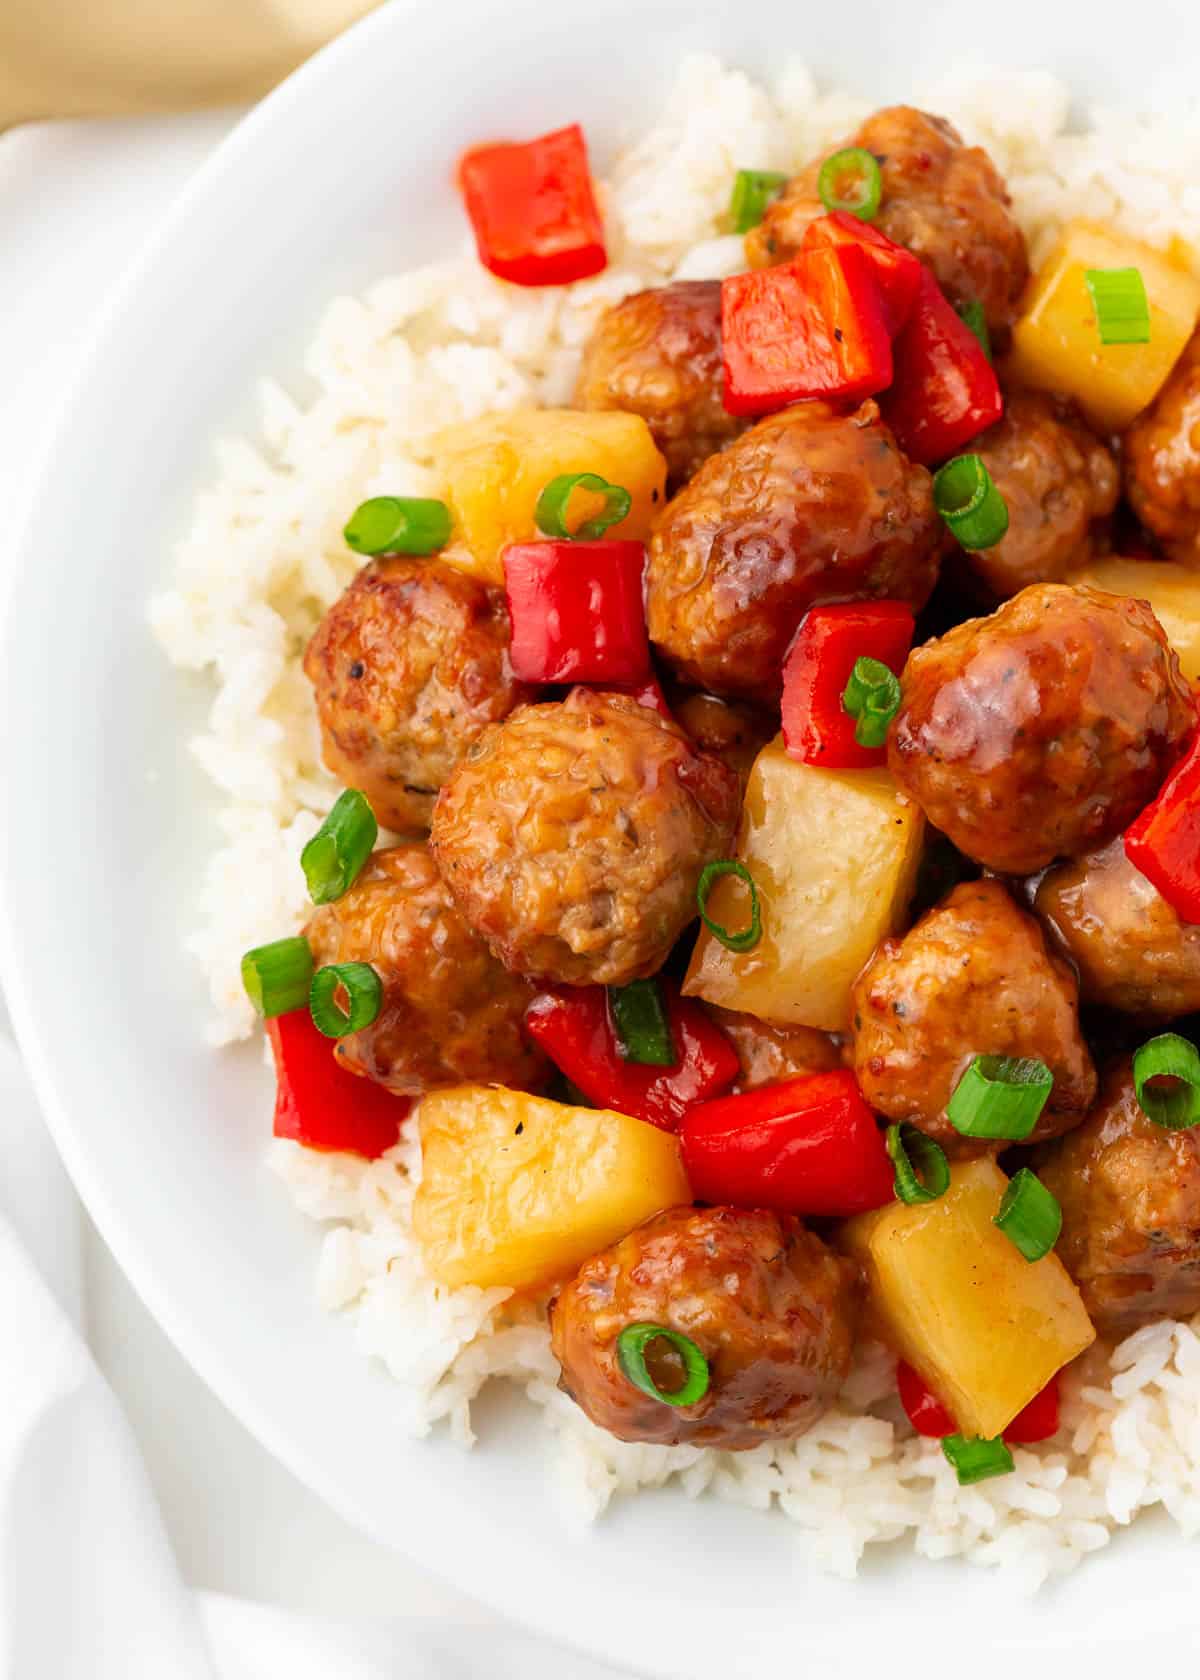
x=734, y=732
x=1131, y=950
x=772, y=1310
x=573, y=834
x=809, y=505
x=769, y=1054
x=408, y=666
x=1130, y=1197
x=658, y=354
x=451, y=1013
x=1161, y=459
x=1041, y=731
x=1056, y=479
x=972, y=978
x=947, y=202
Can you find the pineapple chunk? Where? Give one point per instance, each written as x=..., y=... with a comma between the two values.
x=1172, y=591
x=985, y=1327
x=516, y=1191
x=1057, y=347
x=834, y=855
x=494, y=469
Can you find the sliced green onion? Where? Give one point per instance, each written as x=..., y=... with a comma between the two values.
x=1168, y=1056
x=337, y=851
x=364, y=992
x=398, y=525
x=640, y=1018
x=976, y=1459
x=551, y=510
x=1122, y=309
x=873, y=697
x=852, y=180
x=974, y=317
x=1000, y=1097
x=753, y=190
x=1029, y=1216
x=922, y=1174
x=277, y=976
x=970, y=503
x=631, y=1356
x=746, y=938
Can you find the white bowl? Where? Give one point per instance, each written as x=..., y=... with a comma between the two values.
x=342, y=175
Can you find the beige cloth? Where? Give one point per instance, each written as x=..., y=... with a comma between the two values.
x=76, y=58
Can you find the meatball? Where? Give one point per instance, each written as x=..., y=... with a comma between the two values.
x=947, y=202
x=769, y=1054
x=451, y=1014
x=972, y=978
x=408, y=666
x=1130, y=1197
x=572, y=837
x=1161, y=459
x=734, y=732
x=1132, y=951
x=658, y=354
x=1056, y=479
x=809, y=505
x=769, y=1306
x=1041, y=731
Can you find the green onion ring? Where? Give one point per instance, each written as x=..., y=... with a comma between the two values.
x=922, y=1173
x=1029, y=1215
x=748, y=937
x=970, y=503
x=277, y=976
x=362, y=986
x=976, y=1459
x=872, y=697
x=640, y=1019
x=631, y=1356
x=858, y=163
x=1168, y=1057
x=753, y=190
x=1122, y=308
x=398, y=525
x=1000, y=1097
x=332, y=859
x=551, y=510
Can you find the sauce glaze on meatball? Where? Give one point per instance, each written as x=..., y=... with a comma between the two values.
x=769, y=1054
x=1161, y=459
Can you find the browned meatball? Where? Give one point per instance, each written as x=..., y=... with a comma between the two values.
x=769, y=1053
x=1041, y=731
x=945, y=201
x=733, y=731
x=573, y=834
x=658, y=354
x=1132, y=951
x=1130, y=1197
x=809, y=505
x=1056, y=478
x=769, y=1306
x=408, y=666
x=972, y=978
x=451, y=1013
x=1161, y=459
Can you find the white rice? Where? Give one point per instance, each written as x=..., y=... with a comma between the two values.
x=264, y=558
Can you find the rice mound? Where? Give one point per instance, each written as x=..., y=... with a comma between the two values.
x=262, y=561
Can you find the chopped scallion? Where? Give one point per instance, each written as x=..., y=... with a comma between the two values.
x=852, y=180
x=970, y=503
x=277, y=976
x=640, y=1018
x=336, y=853
x=364, y=994
x=922, y=1174
x=398, y=525
x=632, y=1346
x=1029, y=1215
x=974, y=317
x=976, y=1459
x=744, y=939
x=1122, y=308
x=1000, y=1097
x=872, y=696
x=753, y=190
x=1174, y=1106
x=551, y=510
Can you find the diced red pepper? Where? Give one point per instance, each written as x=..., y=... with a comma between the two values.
x=578, y=612
x=1164, y=842
x=319, y=1103
x=1037, y=1422
x=533, y=209
x=945, y=391
x=813, y=327
x=574, y=1027
x=817, y=728
x=896, y=269
x=807, y=1146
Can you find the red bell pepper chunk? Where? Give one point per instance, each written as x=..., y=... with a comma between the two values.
x=574, y=1027
x=945, y=390
x=319, y=1103
x=817, y=728
x=1037, y=1422
x=578, y=612
x=813, y=327
x=1164, y=842
x=807, y=1146
x=896, y=269
x=533, y=209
